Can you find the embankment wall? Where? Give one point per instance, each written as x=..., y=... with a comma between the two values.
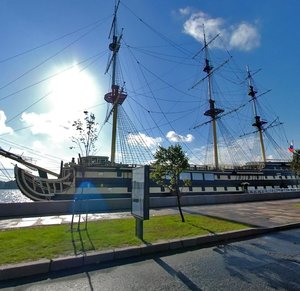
x=48, y=208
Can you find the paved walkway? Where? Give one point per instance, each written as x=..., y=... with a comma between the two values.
x=259, y=214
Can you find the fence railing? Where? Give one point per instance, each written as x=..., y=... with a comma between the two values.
x=275, y=190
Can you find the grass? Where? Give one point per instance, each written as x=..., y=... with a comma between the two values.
x=297, y=205
x=29, y=244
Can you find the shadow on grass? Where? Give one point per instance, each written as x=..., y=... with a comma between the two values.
x=219, y=217
x=83, y=246
x=201, y=227
x=145, y=242
x=76, y=252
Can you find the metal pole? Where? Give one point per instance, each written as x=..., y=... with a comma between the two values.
x=139, y=228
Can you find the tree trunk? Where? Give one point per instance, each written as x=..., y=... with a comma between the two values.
x=179, y=205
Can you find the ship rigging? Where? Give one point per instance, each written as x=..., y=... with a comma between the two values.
x=159, y=110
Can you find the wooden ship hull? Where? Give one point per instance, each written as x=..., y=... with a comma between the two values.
x=107, y=181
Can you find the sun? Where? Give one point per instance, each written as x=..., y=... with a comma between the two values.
x=72, y=91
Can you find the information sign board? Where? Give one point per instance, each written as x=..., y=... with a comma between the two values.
x=140, y=193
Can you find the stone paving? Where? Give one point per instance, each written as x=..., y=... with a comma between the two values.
x=53, y=220
x=259, y=214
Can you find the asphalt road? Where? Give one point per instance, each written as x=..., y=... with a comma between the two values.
x=269, y=262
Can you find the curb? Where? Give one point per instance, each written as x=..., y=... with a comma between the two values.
x=15, y=271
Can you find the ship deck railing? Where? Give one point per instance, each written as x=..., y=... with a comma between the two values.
x=256, y=166
x=247, y=166
x=274, y=190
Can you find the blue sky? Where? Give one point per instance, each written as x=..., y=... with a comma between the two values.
x=54, y=53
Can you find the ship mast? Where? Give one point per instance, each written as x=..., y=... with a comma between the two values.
x=116, y=97
x=213, y=112
x=258, y=123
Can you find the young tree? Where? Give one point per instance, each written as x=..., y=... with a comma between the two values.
x=168, y=164
x=86, y=133
x=296, y=161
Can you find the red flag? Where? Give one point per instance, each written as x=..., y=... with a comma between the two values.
x=291, y=148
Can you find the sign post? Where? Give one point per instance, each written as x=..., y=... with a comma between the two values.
x=140, y=198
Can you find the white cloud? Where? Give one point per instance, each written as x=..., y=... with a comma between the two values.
x=185, y=11
x=242, y=36
x=142, y=139
x=48, y=124
x=245, y=36
x=3, y=128
x=174, y=137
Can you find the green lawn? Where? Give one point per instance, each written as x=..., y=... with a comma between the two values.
x=28, y=244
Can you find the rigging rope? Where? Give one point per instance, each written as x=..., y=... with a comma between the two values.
x=51, y=76
x=5, y=172
x=54, y=40
x=165, y=38
x=51, y=158
x=50, y=92
x=132, y=147
x=48, y=58
x=168, y=122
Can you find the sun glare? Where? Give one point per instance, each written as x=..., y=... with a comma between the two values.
x=72, y=91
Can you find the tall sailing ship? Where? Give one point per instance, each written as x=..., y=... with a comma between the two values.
x=104, y=177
